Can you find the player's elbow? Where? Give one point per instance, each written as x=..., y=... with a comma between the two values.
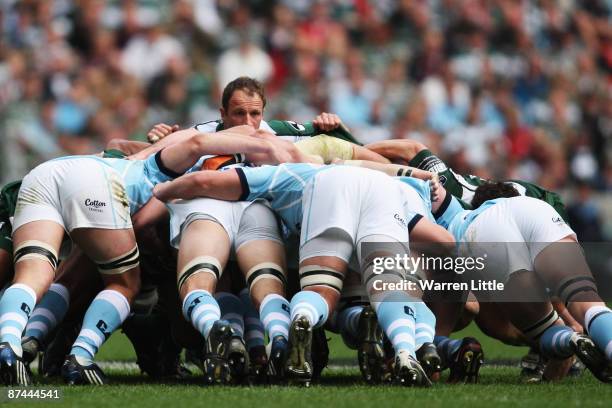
x=198, y=144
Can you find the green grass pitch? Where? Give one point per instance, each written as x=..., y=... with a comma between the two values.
x=341, y=387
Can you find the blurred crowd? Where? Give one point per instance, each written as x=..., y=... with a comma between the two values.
x=499, y=88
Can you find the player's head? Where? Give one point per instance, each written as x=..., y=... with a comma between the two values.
x=492, y=190
x=242, y=103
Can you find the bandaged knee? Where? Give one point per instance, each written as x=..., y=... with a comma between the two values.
x=534, y=331
x=316, y=275
x=35, y=250
x=570, y=287
x=265, y=270
x=120, y=264
x=201, y=264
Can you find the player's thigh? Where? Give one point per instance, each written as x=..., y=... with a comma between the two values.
x=116, y=255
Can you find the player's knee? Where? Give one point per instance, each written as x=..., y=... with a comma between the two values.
x=264, y=272
x=312, y=276
x=33, y=249
x=201, y=264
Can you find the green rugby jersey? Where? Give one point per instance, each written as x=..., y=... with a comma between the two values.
x=464, y=186
x=284, y=128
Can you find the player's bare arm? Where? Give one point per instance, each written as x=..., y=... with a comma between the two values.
x=397, y=150
x=389, y=168
x=221, y=185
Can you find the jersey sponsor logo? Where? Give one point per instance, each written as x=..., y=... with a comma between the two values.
x=558, y=220
x=94, y=205
x=400, y=220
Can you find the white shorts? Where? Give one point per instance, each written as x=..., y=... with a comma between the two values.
x=512, y=233
x=243, y=221
x=77, y=192
x=358, y=201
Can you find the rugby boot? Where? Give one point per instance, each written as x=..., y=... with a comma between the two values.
x=465, y=365
x=13, y=371
x=319, y=352
x=31, y=347
x=408, y=372
x=216, y=365
x=299, y=361
x=532, y=366
x=592, y=357
x=77, y=374
x=238, y=360
x=370, y=352
x=430, y=360
x=258, y=361
x=278, y=359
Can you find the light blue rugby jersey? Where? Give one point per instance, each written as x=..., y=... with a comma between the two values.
x=139, y=176
x=424, y=191
x=282, y=186
x=452, y=216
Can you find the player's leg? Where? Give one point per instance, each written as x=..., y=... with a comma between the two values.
x=75, y=285
x=199, y=267
x=396, y=298
x=323, y=264
x=35, y=257
x=116, y=255
x=563, y=267
x=261, y=257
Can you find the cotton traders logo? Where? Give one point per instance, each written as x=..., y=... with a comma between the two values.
x=400, y=220
x=94, y=205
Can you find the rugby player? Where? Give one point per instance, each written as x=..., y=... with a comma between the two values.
x=73, y=194
x=311, y=203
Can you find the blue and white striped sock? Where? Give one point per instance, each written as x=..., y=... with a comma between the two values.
x=232, y=310
x=425, y=329
x=398, y=319
x=254, y=332
x=202, y=310
x=555, y=342
x=274, y=311
x=598, y=323
x=348, y=324
x=15, y=307
x=104, y=315
x=49, y=312
x=310, y=304
x=447, y=347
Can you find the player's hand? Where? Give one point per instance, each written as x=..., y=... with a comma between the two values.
x=326, y=122
x=160, y=131
x=434, y=185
